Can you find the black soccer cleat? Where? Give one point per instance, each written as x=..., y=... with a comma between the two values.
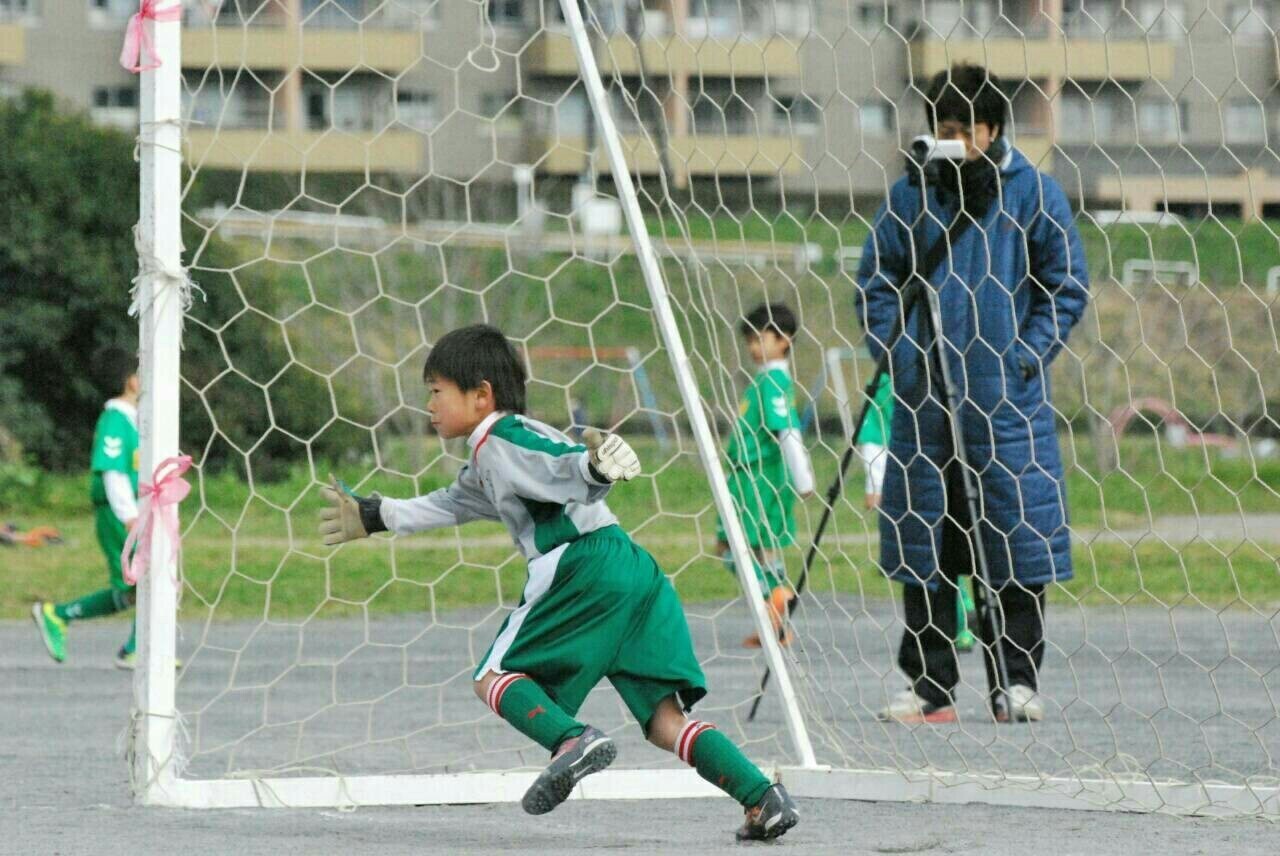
x=771, y=817
x=578, y=757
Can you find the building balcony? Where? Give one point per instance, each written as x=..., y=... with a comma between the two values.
x=13, y=44
x=1042, y=58
x=1249, y=191
x=721, y=156
x=313, y=48
x=552, y=54
x=262, y=150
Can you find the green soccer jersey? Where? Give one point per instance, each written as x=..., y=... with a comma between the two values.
x=115, y=448
x=875, y=428
x=767, y=408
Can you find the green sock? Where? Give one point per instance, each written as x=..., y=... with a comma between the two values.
x=108, y=601
x=767, y=581
x=771, y=576
x=521, y=702
x=703, y=747
x=132, y=644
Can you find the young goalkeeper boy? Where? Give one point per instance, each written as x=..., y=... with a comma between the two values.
x=113, y=487
x=768, y=460
x=595, y=605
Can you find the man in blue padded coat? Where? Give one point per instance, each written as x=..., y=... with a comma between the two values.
x=1014, y=286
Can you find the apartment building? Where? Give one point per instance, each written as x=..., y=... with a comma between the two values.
x=1145, y=104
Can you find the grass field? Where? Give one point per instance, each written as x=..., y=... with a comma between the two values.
x=256, y=553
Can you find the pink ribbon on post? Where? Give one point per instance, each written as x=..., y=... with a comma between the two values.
x=139, y=54
x=160, y=507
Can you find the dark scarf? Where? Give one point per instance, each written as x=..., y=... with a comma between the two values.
x=975, y=184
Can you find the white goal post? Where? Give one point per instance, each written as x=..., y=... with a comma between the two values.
x=154, y=732
x=327, y=186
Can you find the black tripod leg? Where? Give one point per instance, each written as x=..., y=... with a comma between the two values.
x=993, y=623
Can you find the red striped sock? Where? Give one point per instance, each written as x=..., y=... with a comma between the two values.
x=703, y=747
x=519, y=700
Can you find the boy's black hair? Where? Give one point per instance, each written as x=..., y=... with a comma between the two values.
x=968, y=93
x=113, y=366
x=471, y=355
x=777, y=317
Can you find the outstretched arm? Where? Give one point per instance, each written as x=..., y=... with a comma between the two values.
x=348, y=517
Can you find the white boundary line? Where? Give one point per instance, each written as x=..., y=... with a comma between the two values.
x=1181, y=798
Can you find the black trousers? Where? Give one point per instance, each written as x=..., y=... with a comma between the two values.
x=927, y=654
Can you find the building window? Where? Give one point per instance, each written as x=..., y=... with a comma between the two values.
x=874, y=15
x=570, y=114
x=503, y=109
x=10, y=9
x=797, y=113
x=719, y=107
x=416, y=108
x=1248, y=22
x=116, y=106
x=1086, y=118
x=423, y=14
x=102, y=13
x=1158, y=121
x=1091, y=21
x=1162, y=18
x=725, y=19
x=506, y=13
x=115, y=96
x=244, y=106
x=348, y=106
x=875, y=120
x=1246, y=122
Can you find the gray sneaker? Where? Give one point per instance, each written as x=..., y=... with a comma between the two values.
x=578, y=757
x=771, y=817
x=1025, y=702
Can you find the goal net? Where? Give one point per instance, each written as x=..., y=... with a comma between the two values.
x=361, y=176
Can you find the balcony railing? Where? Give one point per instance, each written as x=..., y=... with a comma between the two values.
x=1075, y=59
x=347, y=15
x=262, y=150
x=725, y=156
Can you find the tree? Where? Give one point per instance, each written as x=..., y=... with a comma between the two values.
x=67, y=260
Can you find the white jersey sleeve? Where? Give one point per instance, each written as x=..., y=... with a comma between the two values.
x=120, y=495
x=461, y=502
x=796, y=457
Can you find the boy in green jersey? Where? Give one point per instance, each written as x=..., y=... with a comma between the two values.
x=113, y=489
x=595, y=604
x=769, y=465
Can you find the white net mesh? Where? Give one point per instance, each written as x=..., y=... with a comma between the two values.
x=369, y=174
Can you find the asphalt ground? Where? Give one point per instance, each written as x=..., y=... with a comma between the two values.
x=1188, y=693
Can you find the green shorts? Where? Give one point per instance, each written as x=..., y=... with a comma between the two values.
x=111, y=537
x=765, y=501
x=600, y=607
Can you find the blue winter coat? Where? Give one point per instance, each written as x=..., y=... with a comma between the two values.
x=1016, y=287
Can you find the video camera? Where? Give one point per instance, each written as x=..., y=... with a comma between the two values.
x=928, y=158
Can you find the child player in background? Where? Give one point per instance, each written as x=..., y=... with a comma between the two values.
x=595, y=605
x=769, y=463
x=113, y=488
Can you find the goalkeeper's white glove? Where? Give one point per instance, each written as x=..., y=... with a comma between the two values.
x=348, y=517
x=610, y=456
